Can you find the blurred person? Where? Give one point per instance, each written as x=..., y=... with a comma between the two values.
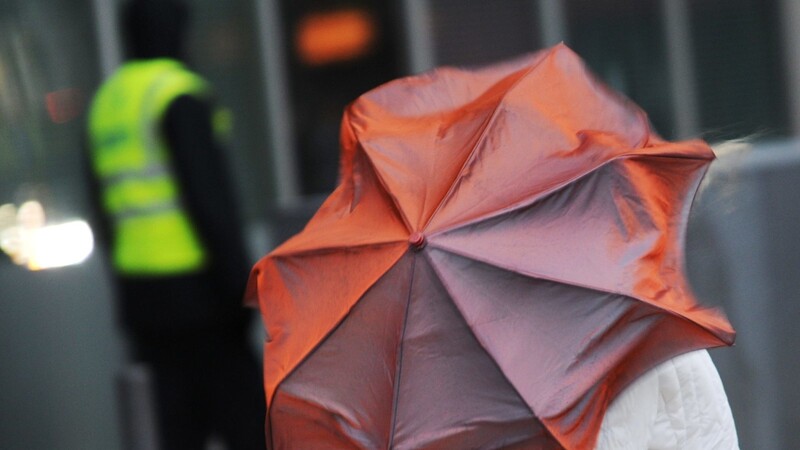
x=168, y=219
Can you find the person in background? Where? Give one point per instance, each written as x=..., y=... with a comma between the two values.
x=168, y=218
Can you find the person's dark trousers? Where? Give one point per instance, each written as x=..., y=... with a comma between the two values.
x=206, y=374
x=208, y=386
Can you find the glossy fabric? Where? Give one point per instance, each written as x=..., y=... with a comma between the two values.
x=550, y=275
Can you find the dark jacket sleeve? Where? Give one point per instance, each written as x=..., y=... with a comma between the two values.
x=207, y=191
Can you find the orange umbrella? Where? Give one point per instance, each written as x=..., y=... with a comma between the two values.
x=502, y=257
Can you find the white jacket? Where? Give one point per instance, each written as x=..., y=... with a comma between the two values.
x=679, y=405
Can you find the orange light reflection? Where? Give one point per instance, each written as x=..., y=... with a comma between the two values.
x=328, y=37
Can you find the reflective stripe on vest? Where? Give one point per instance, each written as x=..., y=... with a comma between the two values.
x=153, y=235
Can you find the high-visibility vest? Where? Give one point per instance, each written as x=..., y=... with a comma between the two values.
x=152, y=233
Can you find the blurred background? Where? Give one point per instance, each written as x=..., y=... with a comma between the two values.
x=719, y=69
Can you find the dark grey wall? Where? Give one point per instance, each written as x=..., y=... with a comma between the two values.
x=743, y=254
x=60, y=355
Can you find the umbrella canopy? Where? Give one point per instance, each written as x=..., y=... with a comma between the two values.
x=502, y=257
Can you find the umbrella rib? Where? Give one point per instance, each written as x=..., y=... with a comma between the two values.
x=381, y=181
x=333, y=248
x=399, y=368
x=552, y=190
x=481, y=137
x=528, y=201
x=537, y=276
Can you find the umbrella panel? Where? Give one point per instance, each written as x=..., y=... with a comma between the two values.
x=404, y=371
x=417, y=157
x=301, y=314
x=341, y=396
x=452, y=394
x=358, y=213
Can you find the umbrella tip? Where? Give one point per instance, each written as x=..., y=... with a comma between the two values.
x=417, y=240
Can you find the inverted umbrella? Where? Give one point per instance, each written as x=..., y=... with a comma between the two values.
x=502, y=257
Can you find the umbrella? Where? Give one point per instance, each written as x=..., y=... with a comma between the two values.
x=502, y=257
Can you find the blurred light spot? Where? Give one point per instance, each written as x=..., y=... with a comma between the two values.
x=65, y=104
x=29, y=242
x=9, y=232
x=327, y=37
x=60, y=245
x=31, y=215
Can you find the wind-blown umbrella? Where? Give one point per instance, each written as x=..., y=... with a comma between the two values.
x=502, y=257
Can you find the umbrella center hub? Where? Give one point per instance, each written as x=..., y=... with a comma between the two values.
x=417, y=240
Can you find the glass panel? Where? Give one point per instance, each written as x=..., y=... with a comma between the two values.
x=321, y=89
x=464, y=33
x=737, y=56
x=623, y=43
x=476, y=33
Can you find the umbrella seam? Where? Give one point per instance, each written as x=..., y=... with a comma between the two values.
x=324, y=250
x=378, y=175
x=541, y=195
x=481, y=137
x=399, y=368
x=574, y=284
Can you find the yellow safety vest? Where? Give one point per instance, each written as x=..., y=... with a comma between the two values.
x=152, y=233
